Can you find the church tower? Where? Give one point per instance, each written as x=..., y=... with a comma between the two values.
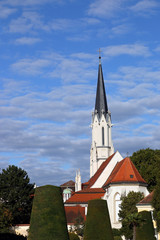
x=102, y=146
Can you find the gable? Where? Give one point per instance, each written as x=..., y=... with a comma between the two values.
x=124, y=172
x=105, y=170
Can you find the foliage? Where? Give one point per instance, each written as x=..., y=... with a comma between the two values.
x=48, y=219
x=5, y=219
x=98, y=224
x=73, y=236
x=15, y=193
x=156, y=204
x=116, y=232
x=117, y=238
x=127, y=209
x=145, y=231
x=147, y=162
x=79, y=225
x=133, y=220
x=11, y=236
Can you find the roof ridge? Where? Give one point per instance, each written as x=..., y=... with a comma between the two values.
x=124, y=171
x=94, y=178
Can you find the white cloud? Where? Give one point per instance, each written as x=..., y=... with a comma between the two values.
x=120, y=29
x=27, y=40
x=6, y=11
x=28, y=2
x=29, y=21
x=104, y=8
x=128, y=49
x=145, y=7
x=29, y=66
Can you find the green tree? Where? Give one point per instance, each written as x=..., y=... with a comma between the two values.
x=156, y=204
x=127, y=211
x=15, y=194
x=147, y=162
x=5, y=219
x=133, y=220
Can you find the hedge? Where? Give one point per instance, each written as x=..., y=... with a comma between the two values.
x=48, y=220
x=146, y=230
x=98, y=225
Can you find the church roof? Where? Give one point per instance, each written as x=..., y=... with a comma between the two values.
x=85, y=195
x=73, y=212
x=101, y=101
x=68, y=184
x=94, y=178
x=124, y=172
x=147, y=200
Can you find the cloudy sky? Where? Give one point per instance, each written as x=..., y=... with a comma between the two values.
x=48, y=77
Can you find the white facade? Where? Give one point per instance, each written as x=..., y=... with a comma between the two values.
x=113, y=195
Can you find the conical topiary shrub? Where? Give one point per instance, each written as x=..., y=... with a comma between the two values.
x=98, y=225
x=48, y=220
x=146, y=230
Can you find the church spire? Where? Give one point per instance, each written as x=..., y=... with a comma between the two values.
x=101, y=101
x=102, y=146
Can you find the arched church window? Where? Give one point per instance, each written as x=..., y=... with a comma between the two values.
x=117, y=206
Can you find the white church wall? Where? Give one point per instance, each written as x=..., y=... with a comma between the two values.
x=107, y=171
x=122, y=189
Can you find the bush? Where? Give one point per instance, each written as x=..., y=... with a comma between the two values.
x=146, y=230
x=48, y=219
x=117, y=238
x=98, y=225
x=116, y=232
x=11, y=236
x=73, y=236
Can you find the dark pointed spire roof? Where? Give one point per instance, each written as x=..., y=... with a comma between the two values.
x=101, y=101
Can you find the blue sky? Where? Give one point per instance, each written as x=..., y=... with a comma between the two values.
x=48, y=77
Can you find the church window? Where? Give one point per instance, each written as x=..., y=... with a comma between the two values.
x=117, y=206
x=131, y=176
x=102, y=136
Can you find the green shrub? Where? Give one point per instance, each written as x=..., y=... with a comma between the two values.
x=48, y=220
x=11, y=236
x=117, y=238
x=146, y=230
x=73, y=236
x=98, y=225
x=116, y=232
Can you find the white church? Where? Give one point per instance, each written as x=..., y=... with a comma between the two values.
x=111, y=176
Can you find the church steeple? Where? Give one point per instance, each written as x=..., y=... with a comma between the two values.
x=101, y=101
x=102, y=146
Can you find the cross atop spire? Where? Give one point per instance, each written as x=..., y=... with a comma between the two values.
x=99, y=55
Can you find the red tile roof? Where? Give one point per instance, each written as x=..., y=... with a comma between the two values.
x=73, y=212
x=68, y=184
x=124, y=171
x=147, y=199
x=94, y=178
x=85, y=195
